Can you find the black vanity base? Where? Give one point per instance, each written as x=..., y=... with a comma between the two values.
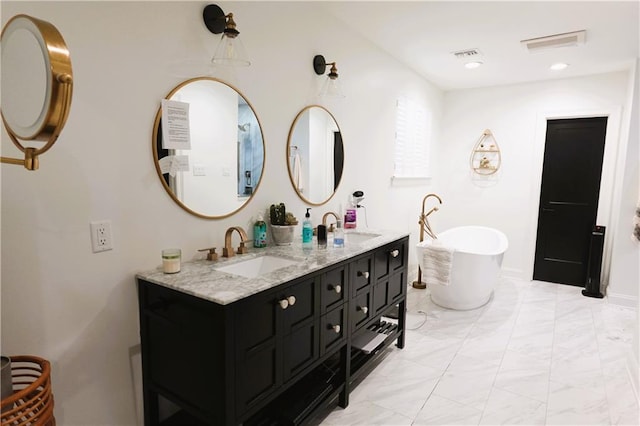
x=255, y=363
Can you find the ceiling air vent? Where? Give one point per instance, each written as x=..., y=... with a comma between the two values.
x=575, y=38
x=469, y=54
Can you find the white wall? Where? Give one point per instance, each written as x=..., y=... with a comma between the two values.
x=79, y=309
x=516, y=115
x=625, y=265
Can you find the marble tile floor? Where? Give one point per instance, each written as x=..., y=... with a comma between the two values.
x=537, y=354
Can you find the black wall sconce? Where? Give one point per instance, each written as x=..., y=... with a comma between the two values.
x=230, y=50
x=331, y=86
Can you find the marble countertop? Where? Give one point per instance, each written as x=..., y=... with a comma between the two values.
x=201, y=279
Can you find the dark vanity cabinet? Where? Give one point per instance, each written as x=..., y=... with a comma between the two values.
x=275, y=357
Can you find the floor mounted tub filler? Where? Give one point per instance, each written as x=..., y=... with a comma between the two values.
x=476, y=259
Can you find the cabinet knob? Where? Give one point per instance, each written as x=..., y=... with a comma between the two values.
x=364, y=274
x=291, y=300
x=284, y=303
x=337, y=288
x=395, y=253
x=335, y=328
x=364, y=309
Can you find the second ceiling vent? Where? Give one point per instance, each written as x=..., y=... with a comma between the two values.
x=575, y=38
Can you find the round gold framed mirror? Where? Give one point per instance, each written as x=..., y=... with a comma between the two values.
x=315, y=155
x=37, y=85
x=210, y=154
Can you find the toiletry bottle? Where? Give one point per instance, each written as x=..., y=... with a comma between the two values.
x=307, y=229
x=322, y=236
x=338, y=235
x=260, y=232
x=350, y=216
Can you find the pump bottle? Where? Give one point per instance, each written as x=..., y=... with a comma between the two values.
x=307, y=229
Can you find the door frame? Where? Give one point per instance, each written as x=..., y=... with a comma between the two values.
x=610, y=185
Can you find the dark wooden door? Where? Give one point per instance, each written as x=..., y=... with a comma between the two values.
x=571, y=174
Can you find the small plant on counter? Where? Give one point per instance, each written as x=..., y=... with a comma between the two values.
x=277, y=213
x=279, y=216
x=290, y=219
x=282, y=224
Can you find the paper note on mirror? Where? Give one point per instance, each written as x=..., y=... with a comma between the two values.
x=175, y=125
x=173, y=164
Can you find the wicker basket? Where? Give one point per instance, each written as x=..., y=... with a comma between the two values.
x=32, y=401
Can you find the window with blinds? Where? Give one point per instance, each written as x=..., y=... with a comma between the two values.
x=413, y=127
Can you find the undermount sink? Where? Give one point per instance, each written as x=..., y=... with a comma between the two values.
x=257, y=266
x=358, y=237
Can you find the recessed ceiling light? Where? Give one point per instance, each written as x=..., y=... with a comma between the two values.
x=473, y=64
x=558, y=66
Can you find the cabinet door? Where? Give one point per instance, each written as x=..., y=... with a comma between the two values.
x=258, y=349
x=360, y=310
x=332, y=328
x=361, y=277
x=333, y=288
x=301, y=344
x=397, y=286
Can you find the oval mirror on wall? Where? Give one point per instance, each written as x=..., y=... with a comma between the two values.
x=214, y=165
x=315, y=155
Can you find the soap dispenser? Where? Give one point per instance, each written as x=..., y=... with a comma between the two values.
x=260, y=232
x=307, y=229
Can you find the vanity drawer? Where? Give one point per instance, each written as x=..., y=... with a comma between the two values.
x=390, y=259
x=173, y=307
x=332, y=328
x=360, y=310
x=361, y=274
x=334, y=288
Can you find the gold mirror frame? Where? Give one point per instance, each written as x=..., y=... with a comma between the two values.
x=59, y=84
x=290, y=149
x=157, y=132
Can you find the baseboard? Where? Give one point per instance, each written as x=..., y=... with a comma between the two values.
x=622, y=300
x=513, y=273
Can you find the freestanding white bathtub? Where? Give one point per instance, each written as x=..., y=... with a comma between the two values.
x=476, y=262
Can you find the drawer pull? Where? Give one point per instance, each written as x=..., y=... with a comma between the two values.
x=336, y=288
x=363, y=274
x=364, y=309
x=291, y=300
x=395, y=253
x=284, y=303
x=335, y=328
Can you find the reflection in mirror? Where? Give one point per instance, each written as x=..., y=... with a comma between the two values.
x=219, y=170
x=315, y=155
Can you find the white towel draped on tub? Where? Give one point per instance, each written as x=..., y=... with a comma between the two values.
x=436, y=264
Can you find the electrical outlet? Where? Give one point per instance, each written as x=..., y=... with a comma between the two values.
x=101, y=236
x=199, y=170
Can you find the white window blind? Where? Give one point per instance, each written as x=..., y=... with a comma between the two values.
x=413, y=126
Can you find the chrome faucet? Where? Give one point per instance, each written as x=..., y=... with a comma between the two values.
x=324, y=220
x=227, y=251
